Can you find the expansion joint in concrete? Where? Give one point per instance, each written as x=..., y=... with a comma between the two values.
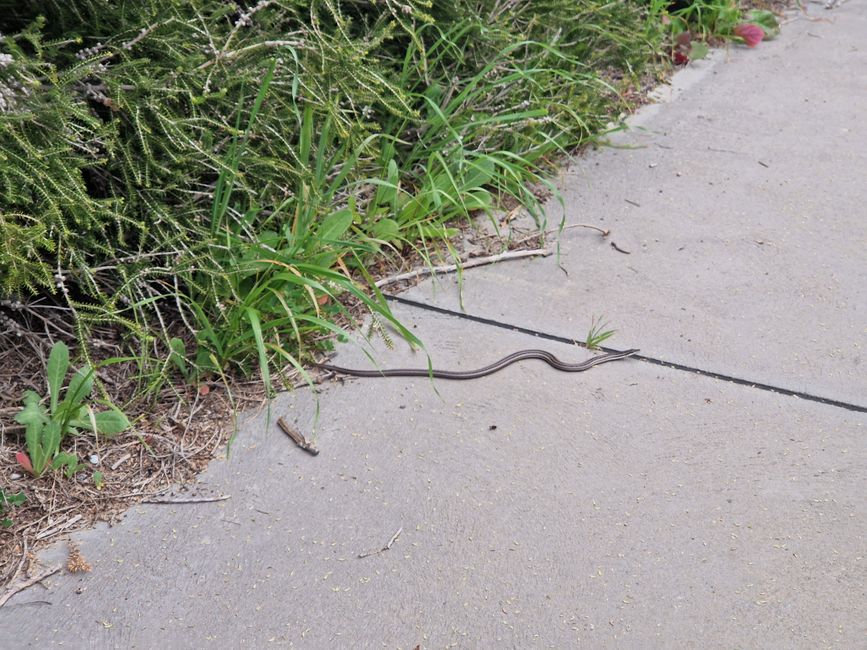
x=638, y=357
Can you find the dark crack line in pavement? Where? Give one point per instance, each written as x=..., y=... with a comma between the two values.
x=639, y=357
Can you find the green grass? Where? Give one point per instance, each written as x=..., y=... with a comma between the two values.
x=597, y=334
x=214, y=181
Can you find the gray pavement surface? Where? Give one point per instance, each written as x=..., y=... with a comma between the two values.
x=632, y=506
x=744, y=208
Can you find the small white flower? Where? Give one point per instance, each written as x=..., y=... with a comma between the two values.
x=5, y=60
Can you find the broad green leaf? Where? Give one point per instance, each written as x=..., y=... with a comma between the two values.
x=478, y=200
x=80, y=386
x=335, y=225
x=51, y=436
x=38, y=458
x=698, y=50
x=390, y=197
x=12, y=499
x=69, y=413
x=31, y=413
x=67, y=460
x=481, y=173
x=178, y=356
x=270, y=239
x=178, y=347
x=386, y=230
x=326, y=259
x=766, y=20
x=111, y=422
x=58, y=364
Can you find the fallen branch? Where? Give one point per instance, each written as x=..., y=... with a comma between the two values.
x=451, y=268
x=188, y=499
x=21, y=586
x=9, y=579
x=120, y=461
x=297, y=438
x=60, y=527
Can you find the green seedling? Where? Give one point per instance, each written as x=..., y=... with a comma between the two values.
x=7, y=502
x=47, y=426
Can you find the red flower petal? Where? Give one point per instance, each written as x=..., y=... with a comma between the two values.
x=752, y=34
x=24, y=460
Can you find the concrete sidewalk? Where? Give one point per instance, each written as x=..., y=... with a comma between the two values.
x=642, y=504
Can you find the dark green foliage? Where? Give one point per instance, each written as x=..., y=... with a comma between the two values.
x=225, y=165
x=7, y=502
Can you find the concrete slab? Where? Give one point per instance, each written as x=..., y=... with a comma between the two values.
x=742, y=204
x=631, y=506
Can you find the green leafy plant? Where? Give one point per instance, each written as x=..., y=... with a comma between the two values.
x=765, y=19
x=178, y=358
x=597, y=334
x=700, y=22
x=7, y=502
x=707, y=17
x=214, y=180
x=47, y=425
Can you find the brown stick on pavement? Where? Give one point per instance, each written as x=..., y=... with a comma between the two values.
x=297, y=438
x=21, y=586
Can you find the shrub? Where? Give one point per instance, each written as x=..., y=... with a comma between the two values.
x=230, y=169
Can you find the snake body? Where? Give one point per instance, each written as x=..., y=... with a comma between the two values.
x=520, y=355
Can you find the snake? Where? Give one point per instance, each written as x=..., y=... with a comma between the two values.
x=520, y=355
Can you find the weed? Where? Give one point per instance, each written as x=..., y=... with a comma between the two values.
x=597, y=334
x=7, y=502
x=47, y=426
x=698, y=22
x=707, y=17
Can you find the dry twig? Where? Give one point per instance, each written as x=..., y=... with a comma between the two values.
x=297, y=437
x=222, y=497
x=21, y=586
x=60, y=527
x=451, y=268
x=384, y=548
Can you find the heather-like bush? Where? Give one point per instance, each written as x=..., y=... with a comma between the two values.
x=228, y=168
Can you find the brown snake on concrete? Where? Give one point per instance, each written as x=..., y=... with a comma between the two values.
x=520, y=355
